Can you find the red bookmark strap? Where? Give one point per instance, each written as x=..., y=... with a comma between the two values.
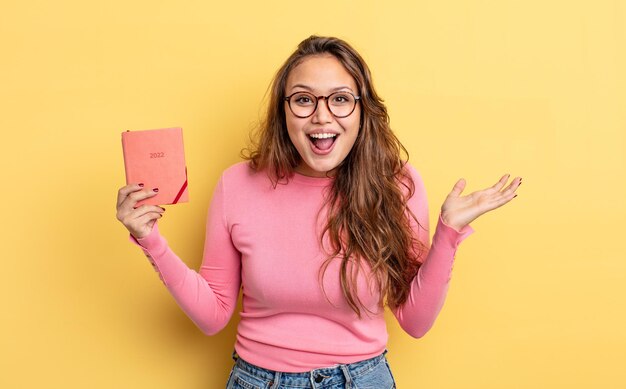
x=182, y=189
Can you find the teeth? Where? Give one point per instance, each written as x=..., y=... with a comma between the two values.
x=322, y=136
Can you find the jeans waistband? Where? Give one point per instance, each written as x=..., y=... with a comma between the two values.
x=348, y=371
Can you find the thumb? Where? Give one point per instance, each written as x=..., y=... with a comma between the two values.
x=458, y=188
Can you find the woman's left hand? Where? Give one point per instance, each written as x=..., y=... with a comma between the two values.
x=458, y=211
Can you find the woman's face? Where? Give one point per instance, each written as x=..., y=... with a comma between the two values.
x=321, y=75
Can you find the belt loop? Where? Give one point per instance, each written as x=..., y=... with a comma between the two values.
x=276, y=380
x=235, y=356
x=346, y=374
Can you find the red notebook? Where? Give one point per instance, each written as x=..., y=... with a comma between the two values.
x=156, y=158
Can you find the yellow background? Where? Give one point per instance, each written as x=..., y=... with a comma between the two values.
x=475, y=89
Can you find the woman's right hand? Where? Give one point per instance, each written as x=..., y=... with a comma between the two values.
x=138, y=221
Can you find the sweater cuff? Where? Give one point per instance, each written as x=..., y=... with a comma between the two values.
x=448, y=235
x=152, y=243
x=154, y=246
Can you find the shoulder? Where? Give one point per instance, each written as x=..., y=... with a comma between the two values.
x=412, y=172
x=242, y=175
x=244, y=172
x=419, y=190
x=239, y=169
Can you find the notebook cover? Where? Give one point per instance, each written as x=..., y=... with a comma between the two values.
x=156, y=158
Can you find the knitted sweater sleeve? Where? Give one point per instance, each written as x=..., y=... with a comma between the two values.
x=430, y=285
x=209, y=296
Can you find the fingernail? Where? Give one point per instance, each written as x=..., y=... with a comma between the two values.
x=141, y=185
x=162, y=209
x=155, y=189
x=515, y=196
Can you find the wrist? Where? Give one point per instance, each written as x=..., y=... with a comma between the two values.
x=445, y=219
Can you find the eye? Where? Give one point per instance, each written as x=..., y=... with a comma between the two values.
x=303, y=99
x=341, y=98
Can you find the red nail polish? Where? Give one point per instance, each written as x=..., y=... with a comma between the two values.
x=141, y=185
x=155, y=189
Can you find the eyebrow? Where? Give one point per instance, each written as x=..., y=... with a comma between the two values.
x=311, y=89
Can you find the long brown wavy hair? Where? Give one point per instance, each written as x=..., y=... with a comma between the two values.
x=374, y=225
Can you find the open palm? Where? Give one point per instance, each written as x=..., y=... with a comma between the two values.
x=458, y=211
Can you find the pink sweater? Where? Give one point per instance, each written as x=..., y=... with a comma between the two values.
x=265, y=240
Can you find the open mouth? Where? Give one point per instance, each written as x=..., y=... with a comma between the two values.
x=322, y=142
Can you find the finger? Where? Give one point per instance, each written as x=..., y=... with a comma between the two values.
x=500, y=184
x=517, y=181
x=129, y=204
x=458, y=188
x=144, y=221
x=137, y=217
x=502, y=199
x=133, y=198
x=148, y=218
x=124, y=191
x=498, y=201
x=144, y=210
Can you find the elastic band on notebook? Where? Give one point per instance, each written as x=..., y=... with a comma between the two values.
x=182, y=189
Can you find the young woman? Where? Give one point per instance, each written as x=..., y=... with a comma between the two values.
x=322, y=226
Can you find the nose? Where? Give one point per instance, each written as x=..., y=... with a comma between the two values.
x=322, y=114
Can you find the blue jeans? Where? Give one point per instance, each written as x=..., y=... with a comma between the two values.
x=373, y=373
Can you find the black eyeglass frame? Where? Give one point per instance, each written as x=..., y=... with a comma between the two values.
x=317, y=99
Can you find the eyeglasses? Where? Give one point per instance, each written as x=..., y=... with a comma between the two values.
x=340, y=104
